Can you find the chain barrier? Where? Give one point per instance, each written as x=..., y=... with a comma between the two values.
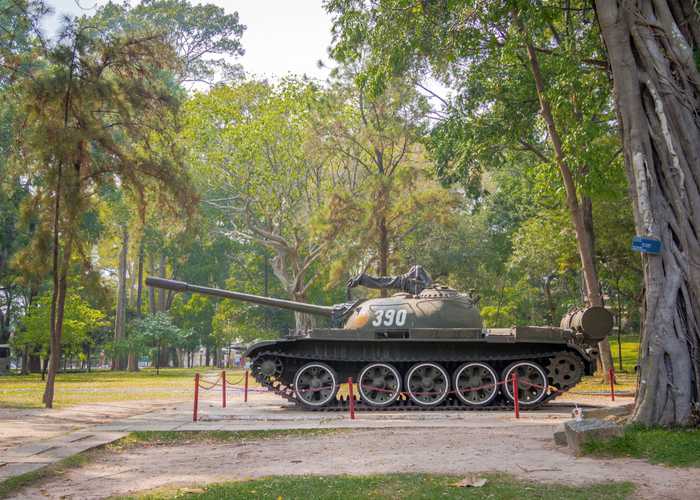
x=226, y=386
x=234, y=386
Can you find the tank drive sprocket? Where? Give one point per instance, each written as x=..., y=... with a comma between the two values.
x=267, y=369
x=564, y=370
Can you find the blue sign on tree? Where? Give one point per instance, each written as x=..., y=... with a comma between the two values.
x=646, y=245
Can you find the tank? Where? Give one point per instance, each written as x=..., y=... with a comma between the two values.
x=423, y=347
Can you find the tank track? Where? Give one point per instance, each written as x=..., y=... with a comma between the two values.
x=286, y=391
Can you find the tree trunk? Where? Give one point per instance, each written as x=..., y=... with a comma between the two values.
x=303, y=321
x=162, y=294
x=383, y=264
x=133, y=362
x=657, y=87
x=139, y=280
x=551, y=307
x=151, y=290
x=34, y=363
x=25, y=362
x=55, y=338
x=119, y=362
x=57, y=327
x=577, y=211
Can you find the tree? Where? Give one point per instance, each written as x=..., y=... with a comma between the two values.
x=507, y=43
x=382, y=188
x=653, y=53
x=194, y=315
x=156, y=331
x=205, y=39
x=91, y=98
x=80, y=320
x=250, y=143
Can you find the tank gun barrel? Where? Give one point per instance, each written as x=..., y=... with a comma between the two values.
x=181, y=286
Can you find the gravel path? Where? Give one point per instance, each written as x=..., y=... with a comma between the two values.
x=527, y=453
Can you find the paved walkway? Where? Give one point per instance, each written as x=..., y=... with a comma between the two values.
x=263, y=412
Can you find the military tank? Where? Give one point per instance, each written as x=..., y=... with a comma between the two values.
x=423, y=347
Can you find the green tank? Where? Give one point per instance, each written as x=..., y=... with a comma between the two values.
x=424, y=347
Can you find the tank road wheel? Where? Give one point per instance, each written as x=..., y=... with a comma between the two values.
x=267, y=369
x=565, y=370
x=379, y=384
x=315, y=384
x=475, y=384
x=427, y=384
x=532, y=382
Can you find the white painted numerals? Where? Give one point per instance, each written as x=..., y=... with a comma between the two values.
x=389, y=317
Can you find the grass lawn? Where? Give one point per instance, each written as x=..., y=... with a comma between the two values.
x=627, y=378
x=170, y=438
x=391, y=486
x=630, y=351
x=677, y=447
x=25, y=391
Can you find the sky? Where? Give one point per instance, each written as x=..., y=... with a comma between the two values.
x=282, y=36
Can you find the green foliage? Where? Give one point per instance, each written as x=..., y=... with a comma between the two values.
x=390, y=486
x=384, y=193
x=248, y=140
x=194, y=317
x=203, y=36
x=80, y=321
x=157, y=331
x=675, y=447
x=489, y=138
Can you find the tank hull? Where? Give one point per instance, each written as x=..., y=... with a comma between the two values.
x=346, y=355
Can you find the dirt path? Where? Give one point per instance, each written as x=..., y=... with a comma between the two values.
x=24, y=426
x=527, y=454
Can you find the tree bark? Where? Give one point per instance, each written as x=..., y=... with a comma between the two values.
x=25, y=362
x=152, y=290
x=162, y=294
x=139, y=280
x=59, y=275
x=657, y=87
x=577, y=210
x=55, y=251
x=119, y=361
x=383, y=233
x=34, y=363
x=57, y=326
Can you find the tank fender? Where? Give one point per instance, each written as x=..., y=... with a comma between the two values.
x=253, y=349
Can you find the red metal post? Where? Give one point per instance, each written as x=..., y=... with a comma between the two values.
x=245, y=390
x=196, y=397
x=611, y=374
x=516, y=401
x=352, y=399
x=223, y=389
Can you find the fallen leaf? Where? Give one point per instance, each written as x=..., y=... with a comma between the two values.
x=470, y=482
